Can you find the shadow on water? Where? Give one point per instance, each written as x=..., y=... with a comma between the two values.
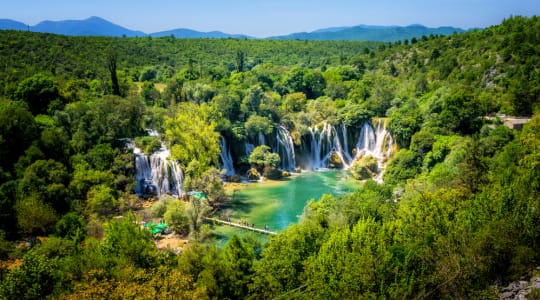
x=239, y=203
x=277, y=204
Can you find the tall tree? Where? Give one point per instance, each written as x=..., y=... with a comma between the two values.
x=192, y=137
x=34, y=216
x=114, y=77
x=38, y=91
x=240, y=60
x=17, y=130
x=236, y=263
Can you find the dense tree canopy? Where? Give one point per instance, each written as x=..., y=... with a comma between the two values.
x=456, y=211
x=192, y=137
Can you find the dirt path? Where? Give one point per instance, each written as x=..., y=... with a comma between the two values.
x=172, y=241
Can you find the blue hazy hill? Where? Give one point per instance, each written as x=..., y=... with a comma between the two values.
x=12, y=25
x=96, y=26
x=93, y=26
x=194, y=34
x=370, y=33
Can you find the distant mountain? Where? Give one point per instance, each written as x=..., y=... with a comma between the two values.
x=93, y=26
x=331, y=29
x=370, y=33
x=12, y=25
x=193, y=34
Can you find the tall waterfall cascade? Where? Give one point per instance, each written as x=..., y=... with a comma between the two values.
x=323, y=146
x=157, y=174
x=285, y=149
x=326, y=140
x=375, y=142
x=226, y=158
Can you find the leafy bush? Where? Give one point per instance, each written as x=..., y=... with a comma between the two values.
x=148, y=144
x=364, y=168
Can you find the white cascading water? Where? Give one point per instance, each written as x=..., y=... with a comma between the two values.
x=143, y=171
x=325, y=141
x=226, y=158
x=366, y=141
x=315, y=152
x=285, y=149
x=342, y=153
x=373, y=142
x=322, y=145
x=157, y=174
x=345, y=142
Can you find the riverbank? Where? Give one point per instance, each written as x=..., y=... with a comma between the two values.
x=232, y=186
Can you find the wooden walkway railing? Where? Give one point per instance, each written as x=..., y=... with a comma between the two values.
x=263, y=231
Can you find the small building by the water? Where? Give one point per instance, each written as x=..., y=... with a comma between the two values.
x=515, y=123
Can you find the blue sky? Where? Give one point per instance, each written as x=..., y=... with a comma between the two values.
x=263, y=18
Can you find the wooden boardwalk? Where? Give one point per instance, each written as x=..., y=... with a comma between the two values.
x=241, y=226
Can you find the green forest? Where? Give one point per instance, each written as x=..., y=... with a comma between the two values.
x=455, y=216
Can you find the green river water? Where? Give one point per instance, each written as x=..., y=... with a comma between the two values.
x=277, y=204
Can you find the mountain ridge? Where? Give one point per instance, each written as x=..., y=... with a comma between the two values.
x=97, y=26
x=190, y=33
x=92, y=26
x=371, y=33
x=7, y=24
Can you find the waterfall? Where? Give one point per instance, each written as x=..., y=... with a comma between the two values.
x=285, y=149
x=381, y=135
x=166, y=174
x=225, y=156
x=342, y=153
x=374, y=142
x=389, y=145
x=249, y=148
x=152, y=132
x=377, y=143
x=143, y=172
x=315, y=151
x=366, y=141
x=345, y=142
x=326, y=140
x=157, y=174
x=262, y=139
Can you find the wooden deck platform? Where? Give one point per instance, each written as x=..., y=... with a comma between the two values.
x=237, y=225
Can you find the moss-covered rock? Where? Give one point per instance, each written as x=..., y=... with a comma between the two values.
x=233, y=178
x=364, y=168
x=272, y=173
x=253, y=174
x=335, y=161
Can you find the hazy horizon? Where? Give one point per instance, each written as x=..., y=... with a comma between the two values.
x=270, y=18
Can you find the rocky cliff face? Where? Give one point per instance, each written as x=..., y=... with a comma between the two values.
x=520, y=289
